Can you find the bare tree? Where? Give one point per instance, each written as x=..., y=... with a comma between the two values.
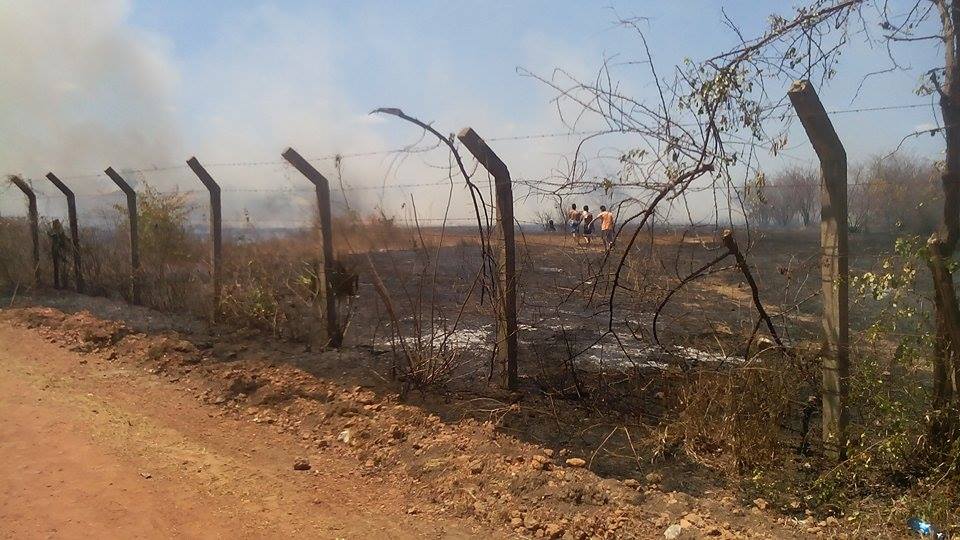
x=893, y=193
x=903, y=191
x=790, y=195
x=860, y=209
x=800, y=186
x=757, y=208
x=783, y=208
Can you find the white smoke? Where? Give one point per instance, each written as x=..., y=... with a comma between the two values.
x=83, y=88
x=80, y=89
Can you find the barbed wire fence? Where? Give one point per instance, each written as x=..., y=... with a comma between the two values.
x=284, y=216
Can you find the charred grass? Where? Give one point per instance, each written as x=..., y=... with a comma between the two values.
x=746, y=428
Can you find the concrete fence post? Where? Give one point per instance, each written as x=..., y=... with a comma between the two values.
x=74, y=229
x=833, y=263
x=507, y=345
x=34, y=218
x=333, y=333
x=216, y=229
x=134, y=232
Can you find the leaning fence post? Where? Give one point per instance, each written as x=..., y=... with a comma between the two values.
x=134, y=233
x=34, y=218
x=74, y=228
x=334, y=335
x=833, y=262
x=215, y=228
x=507, y=303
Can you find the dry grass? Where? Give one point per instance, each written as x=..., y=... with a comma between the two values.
x=15, y=267
x=738, y=419
x=734, y=418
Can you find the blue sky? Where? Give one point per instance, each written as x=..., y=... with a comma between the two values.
x=427, y=56
x=151, y=83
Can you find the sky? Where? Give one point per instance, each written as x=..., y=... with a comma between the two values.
x=143, y=85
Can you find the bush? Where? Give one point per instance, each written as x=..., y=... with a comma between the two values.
x=734, y=418
x=15, y=267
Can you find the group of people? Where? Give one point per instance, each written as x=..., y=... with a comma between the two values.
x=584, y=222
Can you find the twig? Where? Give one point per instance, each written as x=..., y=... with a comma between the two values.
x=607, y=438
x=475, y=193
x=731, y=244
x=694, y=275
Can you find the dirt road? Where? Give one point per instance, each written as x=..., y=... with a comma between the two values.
x=97, y=450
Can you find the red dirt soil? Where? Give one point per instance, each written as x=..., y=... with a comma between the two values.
x=89, y=449
x=117, y=433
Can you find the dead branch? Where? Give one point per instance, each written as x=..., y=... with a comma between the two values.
x=731, y=244
x=690, y=277
x=391, y=311
x=475, y=193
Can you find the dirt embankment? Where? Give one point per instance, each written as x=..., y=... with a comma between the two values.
x=428, y=470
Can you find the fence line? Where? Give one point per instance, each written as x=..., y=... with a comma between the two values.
x=328, y=272
x=529, y=136
x=42, y=195
x=445, y=182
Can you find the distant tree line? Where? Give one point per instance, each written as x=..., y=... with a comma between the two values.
x=886, y=194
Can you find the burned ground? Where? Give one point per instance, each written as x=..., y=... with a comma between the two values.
x=645, y=423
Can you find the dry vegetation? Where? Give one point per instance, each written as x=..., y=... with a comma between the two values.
x=696, y=403
x=654, y=357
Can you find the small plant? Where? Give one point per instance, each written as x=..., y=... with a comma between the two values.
x=170, y=254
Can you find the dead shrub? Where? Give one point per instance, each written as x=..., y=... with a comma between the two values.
x=272, y=284
x=557, y=373
x=106, y=266
x=173, y=272
x=376, y=232
x=735, y=417
x=173, y=269
x=15, y=268
x=425, y=352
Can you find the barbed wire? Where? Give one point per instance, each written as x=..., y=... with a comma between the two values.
x=446, y=181
x=307, y=189
x=409, y=148
x=308, y=222
x=932, y=182
x=525, y=182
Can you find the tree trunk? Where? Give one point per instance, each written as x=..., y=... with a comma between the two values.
x=943, y=244
x=947, y=325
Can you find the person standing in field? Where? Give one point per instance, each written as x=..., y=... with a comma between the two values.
x=587, y=224
x=574, y=216
x=606, y=226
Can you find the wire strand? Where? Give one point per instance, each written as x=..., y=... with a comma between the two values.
x=523, y=137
